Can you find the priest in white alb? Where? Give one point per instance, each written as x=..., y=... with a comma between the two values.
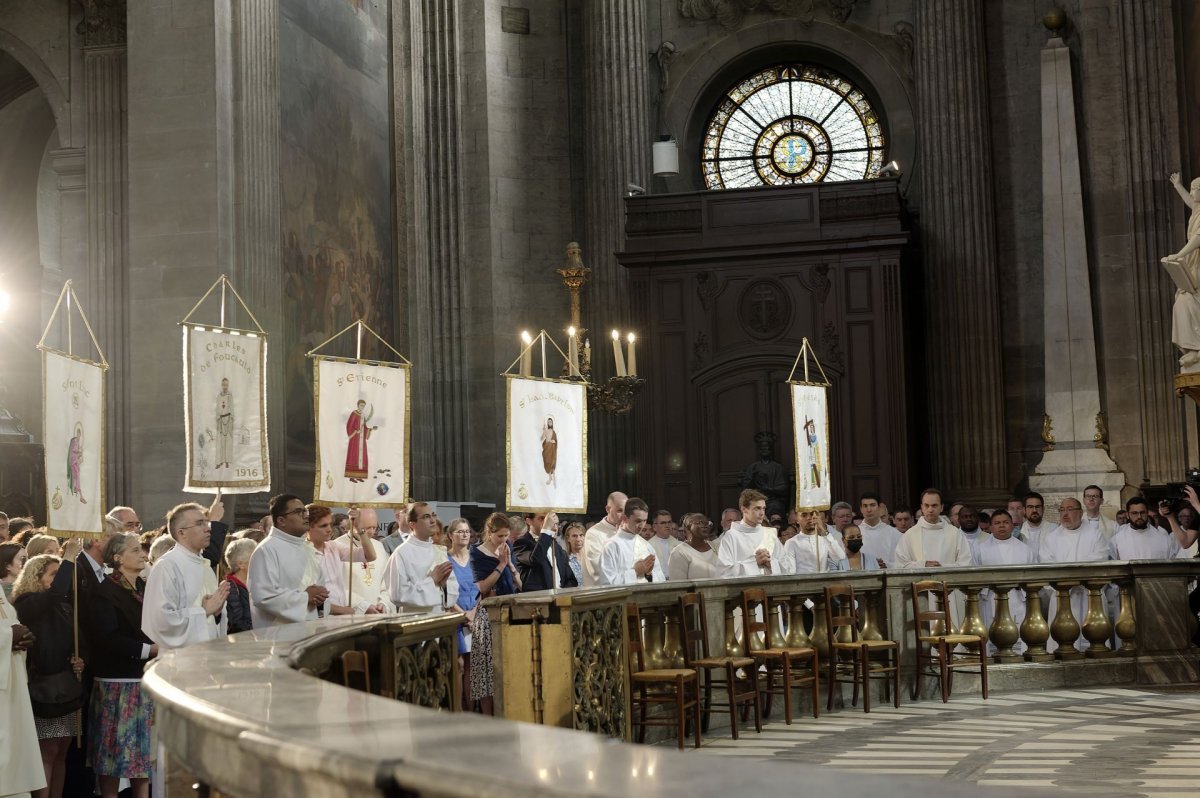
x=880, y=539
x=183, y=604
x=933, y=542
x=363, y=558
x=597, y=537
x=813, y=550
x=21, y=770
x=1072, y=542
x=1093, y=498
x=1138, y=540
x=332, y=557
x=627, y=558
x=1001, y=548
x=418, y=576
x=747, y=548
x=284, y=579
x=1036, y=527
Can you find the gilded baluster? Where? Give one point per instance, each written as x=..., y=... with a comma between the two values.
x=797, y=635
x=673, y=639
x=1126, y=626
x=1064, y=628
x=972, y=620
x=869, y=606
x=733, y=643
x=779, y=613
x=1034, y=630
x=844, y=634
x=652, y=635
x=1004, y=632
x=1097, y=628
x=819, y=639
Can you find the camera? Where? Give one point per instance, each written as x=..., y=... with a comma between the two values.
x=1191, y=477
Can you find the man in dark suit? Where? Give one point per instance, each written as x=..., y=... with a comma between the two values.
x=540, y=573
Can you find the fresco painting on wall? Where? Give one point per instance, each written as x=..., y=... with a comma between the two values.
x=336, y=179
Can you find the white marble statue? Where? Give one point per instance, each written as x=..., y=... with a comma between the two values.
x=1184, y=268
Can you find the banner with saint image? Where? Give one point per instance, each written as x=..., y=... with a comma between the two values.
x=225, y=410
x=73, y=419
x=546, y=441
x=810, y=419
x=362, y=414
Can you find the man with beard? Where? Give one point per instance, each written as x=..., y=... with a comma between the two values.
x=1137, y=540
x=933, y=542
x=1034, y=531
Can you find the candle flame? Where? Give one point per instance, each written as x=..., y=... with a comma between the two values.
x=616, y=335
x=630, y=338
x=571, y=331
x=526, y=337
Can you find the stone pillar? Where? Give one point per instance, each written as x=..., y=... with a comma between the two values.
x=442, y=451
x=618, y=137
x=966, y=416
x=1072, y=386
x=258, y=271
x=1152, y=150
x=105, y=91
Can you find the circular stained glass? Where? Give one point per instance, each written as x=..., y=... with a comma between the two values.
x=788, y=125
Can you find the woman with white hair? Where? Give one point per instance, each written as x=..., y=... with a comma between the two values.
x=237, y=564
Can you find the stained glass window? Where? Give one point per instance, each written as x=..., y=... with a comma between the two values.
x=791, y=124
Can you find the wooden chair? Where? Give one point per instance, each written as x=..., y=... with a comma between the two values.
x=862, y=668
x=741, y=692
x=935, y=646
x=780, y=662
x=679, y=687
x=356, y=662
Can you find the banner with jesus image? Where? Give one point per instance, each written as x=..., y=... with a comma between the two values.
x=547, y=445
x=225, y=410
x=810, y=419
x=362, y=417
x=73, y=418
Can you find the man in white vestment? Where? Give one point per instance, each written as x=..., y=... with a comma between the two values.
x=365, y=569
x=595, y=539
x=183, y=604
x=968, y=524
x=813, y=550
x=1035, y=528
x=627, y=558
x=879, y=538
x=902, y=519
x=21, y=770
x=1071, y=542
x=332, y=556
x=1137, y=540
x=285, y=576
x=663, y=541
x=747, y=548
x=933, y=542
x=418, y=576
x=1093, y=497
x=1001, y=548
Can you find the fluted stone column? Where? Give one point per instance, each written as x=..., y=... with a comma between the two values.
x=966, y=416
x=105, y=92
x=258, y=271
x=617, y=141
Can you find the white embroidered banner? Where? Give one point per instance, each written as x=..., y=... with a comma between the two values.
x=225, y=410
x=362, y=415
x=547, y=445
x=810, y=419
x=73, y=413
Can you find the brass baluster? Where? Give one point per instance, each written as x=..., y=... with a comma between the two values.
x=1004, y=633
x=797, y=635
x=1097, y=628
x=733, y=643
x=1034, y=630
x=972, y=620
x=1064, y=628
x=774, y=624
x=819, y=639
x=652, y=634
x=844, y=634
x=1126, y=626
x=870, y=627
x=673, y=638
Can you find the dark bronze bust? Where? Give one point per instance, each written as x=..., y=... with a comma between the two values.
x=768, y=477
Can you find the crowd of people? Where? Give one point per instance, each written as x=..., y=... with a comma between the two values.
x=83, y=618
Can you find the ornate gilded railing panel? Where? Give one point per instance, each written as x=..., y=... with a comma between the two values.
x=598, y=670
x=424, y=672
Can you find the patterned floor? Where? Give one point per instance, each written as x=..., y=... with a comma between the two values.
x=1103, y=742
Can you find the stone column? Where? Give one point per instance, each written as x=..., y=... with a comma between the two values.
x=617, y=138
x=1072, y=385
x=966, y=416
x=105, y=92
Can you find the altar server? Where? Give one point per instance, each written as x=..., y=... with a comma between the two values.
x=627, y=558
x=418, y=576
x=1137, y=540
x=933, y=542
x=879, y=539
x=1072, y=542
x=595, y=539
x=747, y=548
x=183, y=603
x=1001, y=548
x=285, y=577
x=813, y=550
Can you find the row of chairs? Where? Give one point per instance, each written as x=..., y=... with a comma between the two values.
x=771, y=669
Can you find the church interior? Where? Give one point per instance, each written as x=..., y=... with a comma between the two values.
x=969, y=223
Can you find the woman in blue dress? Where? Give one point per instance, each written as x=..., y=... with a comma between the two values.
x=459, y=534
x=495, y=575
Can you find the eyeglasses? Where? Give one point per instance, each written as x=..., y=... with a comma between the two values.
x=133, y=526
x=302, y=511
x=203, y=523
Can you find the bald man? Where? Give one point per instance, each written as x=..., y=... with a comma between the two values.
x=1070, y=542
x=599, y=535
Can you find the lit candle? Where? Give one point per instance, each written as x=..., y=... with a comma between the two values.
x=526, y=354
x=572, y=354
x=632, y=357
x=617, y=355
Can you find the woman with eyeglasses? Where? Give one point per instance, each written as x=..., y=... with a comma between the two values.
x=459, y=533
x=696, y=559
x=495, y=572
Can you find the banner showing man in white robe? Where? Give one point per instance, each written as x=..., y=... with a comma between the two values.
x=225, y=410
x=547, y=445
x=362, y=433
x=810, y=419
x=73, y=413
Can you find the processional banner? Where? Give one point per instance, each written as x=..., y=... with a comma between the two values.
x=225, y=410
x=546, y=443
x=810, y=420
x=73, y=434
x=362, y=413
